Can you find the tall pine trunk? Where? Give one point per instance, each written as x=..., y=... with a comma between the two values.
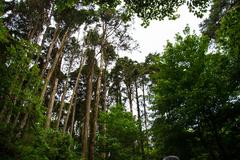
x=73, y=94
x=51, y=103
x=52, y=44
x=95, y=111
x=88, y=106
x=139, y=121
x=56, y=60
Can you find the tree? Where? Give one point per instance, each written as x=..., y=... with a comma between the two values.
x=122, y=132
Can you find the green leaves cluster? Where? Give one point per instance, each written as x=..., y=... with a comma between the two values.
x=121, y=134
x=196, y=95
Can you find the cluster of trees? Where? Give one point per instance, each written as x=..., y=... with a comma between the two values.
x=66, y=94
x=196, y=90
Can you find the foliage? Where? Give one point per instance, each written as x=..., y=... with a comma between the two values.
x=193, y=94
x=122, y=132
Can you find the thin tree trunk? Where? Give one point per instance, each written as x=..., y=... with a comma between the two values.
x=52, y=44
x=73, y=117
x=9, y=116
x=104, y=109
x=16, y=120
x=62, y=104
x=51, y=104
x=145, y=117
x=129, y=94
x=56, y=60
x=73, y=95
x=87, y=109
x=139, y=121
x=24, y=121
x=95, y=111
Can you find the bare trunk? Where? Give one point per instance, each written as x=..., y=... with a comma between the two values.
x=104, y=109
x=24, y=121
x=62, y=104
x=145, y=118
x=52, y=44
x=56, y=60
x=95, y=111
x=9, y=116
x=73, y=117
x=139, y=121
x=51, y=103
x=73, y=95
x=129, y=94
x=87, y=109
x=16, y=120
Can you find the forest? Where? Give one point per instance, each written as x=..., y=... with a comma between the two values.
x=67, y=94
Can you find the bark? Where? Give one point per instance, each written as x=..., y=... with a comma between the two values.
x=52, y=44
x=87, y=109
x=129, y=94
x=56, y=60
x=144, y=106
x=139, y=121
x=9, y=116
x=95, y=111
x=24, y=121
x=145, y=117
x=16, y=120
x=73, y=117
x=62, y=104
x=73, y=95
x=104, y=109
x=51, y=104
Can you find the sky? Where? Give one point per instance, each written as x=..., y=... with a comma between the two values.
x=153, y=38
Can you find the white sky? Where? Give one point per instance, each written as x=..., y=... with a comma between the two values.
x=153, y=38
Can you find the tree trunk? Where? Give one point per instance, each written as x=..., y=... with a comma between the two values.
x=16, y=120
x=95, y=111
x=62, y=104
x=87, y=109
x=145, y=117
x=73, y=95
x=129, y=94
x=139, y=121
x=73, y=116
x=51, y=103
x=56, y=60
x=24, y=121
x=52, y=44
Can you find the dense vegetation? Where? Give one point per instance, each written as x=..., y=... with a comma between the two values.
x=66, y=94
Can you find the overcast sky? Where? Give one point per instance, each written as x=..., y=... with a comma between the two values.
x=153, y=38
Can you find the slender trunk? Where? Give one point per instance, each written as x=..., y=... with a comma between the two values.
x=73, y=116
x=119, y=94
x=9, y=116
x=73, y=95
x=24, y=121
x=145, y=117
x=52, y=44
x=64, y=92
x=95, y=111
x=62, y=104
x=51, y=103
x=56, y=60
x=104, y=109
x=139, y=121
x=144, y=106
x=16, y=120
x=87, y=109
x=129, y=94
